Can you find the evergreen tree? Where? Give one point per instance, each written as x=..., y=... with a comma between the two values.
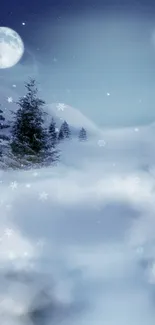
x=52, y=134
x=3, y=137
x=61, y=134
x=29, y=138
x=82, y=135
x=65, y=130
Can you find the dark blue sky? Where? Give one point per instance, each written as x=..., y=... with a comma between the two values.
x=81, y=50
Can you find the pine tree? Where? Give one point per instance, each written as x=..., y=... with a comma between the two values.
x=82, y=135
x=52, y=134
x=29, y=138
x=3, y=137
x=65, y=129
x=61, y=134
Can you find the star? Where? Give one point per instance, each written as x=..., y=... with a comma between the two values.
x=13, y=185
x=60, y=107
x=43, y=196
x=10, y=99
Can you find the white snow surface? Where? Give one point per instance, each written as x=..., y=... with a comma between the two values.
x=77, y=241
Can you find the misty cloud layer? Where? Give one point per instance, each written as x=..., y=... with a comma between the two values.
x=81, y=247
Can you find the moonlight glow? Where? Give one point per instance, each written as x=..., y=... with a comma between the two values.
x=11, y=48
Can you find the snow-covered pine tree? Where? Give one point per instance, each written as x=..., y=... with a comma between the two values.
x=52, y=134
x=82, y=135
x=4, y=139
x=65, y=130
x=61, y=134
x=29, y=137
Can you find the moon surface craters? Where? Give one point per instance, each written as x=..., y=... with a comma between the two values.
x=11, y=47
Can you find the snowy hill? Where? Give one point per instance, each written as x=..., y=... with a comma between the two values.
x=73, y=116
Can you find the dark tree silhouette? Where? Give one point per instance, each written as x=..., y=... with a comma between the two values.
x=29, y=137
x=3, y=136
x=52, y=134
x=82, y=135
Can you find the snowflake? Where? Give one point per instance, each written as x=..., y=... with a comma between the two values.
x=56, y=129
x=1, y=202
x=96, y=207
x=152, y=273
x=23, y=24
x=10, y=99
x=140, y=250
x=12, y=255
x=137, y=180
x=8, y=232
x=28, y=185
x=8, y=206
x=26, y=254
x=101, y=143
x=61, y=107
x=55, y=60
x=136, y=129
x=13, y=185
x=14, y=86
x=43, y=196
x=35, y=174
x=41, y=243
x=108, y=94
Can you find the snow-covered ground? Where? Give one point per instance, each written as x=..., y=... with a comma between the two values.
x=77, y=241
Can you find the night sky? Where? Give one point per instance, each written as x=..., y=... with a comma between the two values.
x=97, y=56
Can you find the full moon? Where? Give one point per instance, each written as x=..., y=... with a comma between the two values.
x=11, y=48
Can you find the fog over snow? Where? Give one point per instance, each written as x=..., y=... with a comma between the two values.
x=77, y=240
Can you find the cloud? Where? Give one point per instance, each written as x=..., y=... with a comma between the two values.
x=84, y=252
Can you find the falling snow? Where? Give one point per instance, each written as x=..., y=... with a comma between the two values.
x=43, y=196
x=10, y=99
x=101, y=143
x=13, y=185
x=61, y=107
